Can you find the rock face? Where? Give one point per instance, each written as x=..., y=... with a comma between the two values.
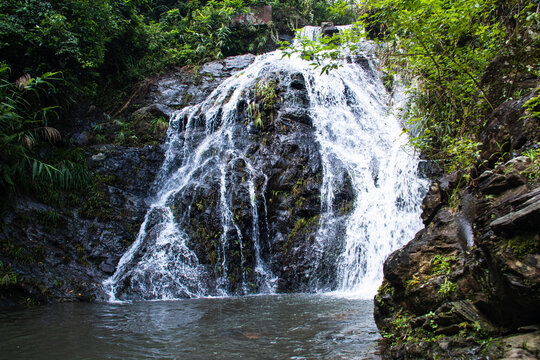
x=61, y=245
x=80, y=236
x=286, y=154
x=190, y=86
x=473, y=273
x=251, y=206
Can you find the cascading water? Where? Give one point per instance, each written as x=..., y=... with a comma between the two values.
x=207, y=153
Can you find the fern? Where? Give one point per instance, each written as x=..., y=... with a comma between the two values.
x=24, y=134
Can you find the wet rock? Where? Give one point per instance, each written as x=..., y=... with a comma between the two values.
x=527, y=216
x=432, y=203
x=521, y=346
x=99, y=157
x=508, y=131
x=72, y=241
x=298, y=82
x=493, y=184
x=280, y=167
x=452, y=287
x=145, y=120
x=188, y=86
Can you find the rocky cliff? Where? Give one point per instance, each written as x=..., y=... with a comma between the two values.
x=468, y=285
x=61, y=246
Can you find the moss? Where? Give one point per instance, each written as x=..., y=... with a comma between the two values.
x=14, y=251
x=346, y=208
x=298, y=225
x=142, y=129
x=413, y=283
x=7, y=275
x=384, y=290
x=426, y=341
x=522, y=245
x=442, y=265
x=301, y=226
x=49, y=218
x=95, y=205
x=204, y=236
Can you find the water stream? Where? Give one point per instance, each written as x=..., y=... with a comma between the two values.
x=359, y=140
x=250, y=327
x=360, y=143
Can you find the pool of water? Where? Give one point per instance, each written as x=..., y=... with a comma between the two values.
x=254, y=327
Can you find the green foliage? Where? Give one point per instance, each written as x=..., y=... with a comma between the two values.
x=325, y=52
x=199, y=33
x=76, y=37
x=263, y=104
x=341, y=12
x=447, y=287
x=7, y=276
x=111, y=44
x=27, y=142
x=462, y=153
x=532, y=106
x=159, y=125
x=177, y=40
x=400, y=326
x=266, y=93
x=443, y=48
x=412, y=283
x=313, y=12
x=14, y=250
x=384, y=290
x=533, y=170
x=442, y=265
x=522, y=245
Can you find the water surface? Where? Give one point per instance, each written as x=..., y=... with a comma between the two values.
x=254, y=327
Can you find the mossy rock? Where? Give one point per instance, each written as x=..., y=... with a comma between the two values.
x=151, y=121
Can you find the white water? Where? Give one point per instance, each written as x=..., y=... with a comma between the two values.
x=358, y=136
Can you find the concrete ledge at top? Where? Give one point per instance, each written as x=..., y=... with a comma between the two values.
x=328, y=28
x=257, y=15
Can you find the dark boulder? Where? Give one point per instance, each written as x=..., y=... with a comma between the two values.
x=448, y=286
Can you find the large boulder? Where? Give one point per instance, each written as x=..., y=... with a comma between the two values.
x=472, y=274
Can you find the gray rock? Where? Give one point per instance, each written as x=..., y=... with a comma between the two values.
x=494, y=284
x=528, y=216
x=99, y=157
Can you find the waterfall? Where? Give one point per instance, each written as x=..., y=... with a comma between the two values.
x=208, y=168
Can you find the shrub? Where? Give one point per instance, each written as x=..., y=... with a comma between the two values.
x=26, y=138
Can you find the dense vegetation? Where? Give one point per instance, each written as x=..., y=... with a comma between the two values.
x=460, y=58
x=451, y=53
x=57, y=53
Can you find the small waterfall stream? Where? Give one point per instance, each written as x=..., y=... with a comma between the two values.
x=360, y=143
